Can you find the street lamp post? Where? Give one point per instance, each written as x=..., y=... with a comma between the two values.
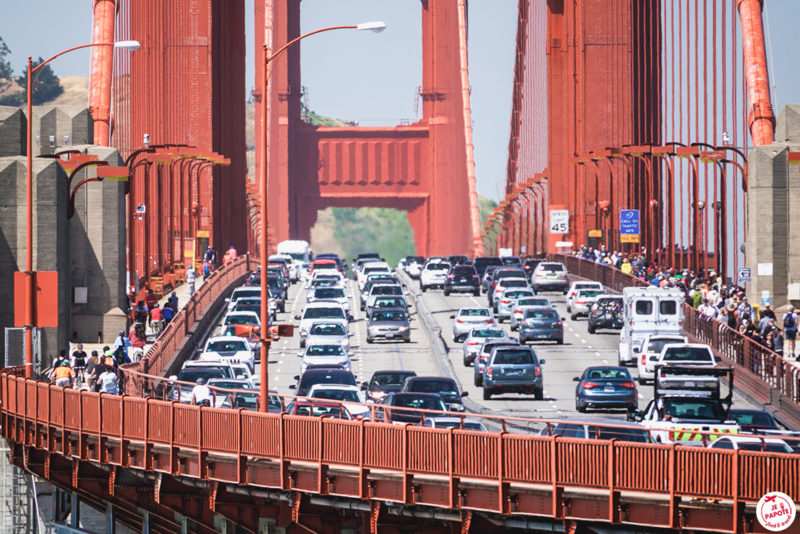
x=376, y=27
x=29, y=289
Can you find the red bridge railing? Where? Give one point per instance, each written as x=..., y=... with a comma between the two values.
x=761, y=373
x=153, y=435
x=179, y=339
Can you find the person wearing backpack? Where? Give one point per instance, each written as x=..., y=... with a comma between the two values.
x=790, y=330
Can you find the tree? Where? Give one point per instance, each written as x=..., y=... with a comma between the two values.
x=6, y=71
x=47, y=86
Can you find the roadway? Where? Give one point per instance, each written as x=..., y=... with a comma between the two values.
x=563, y=362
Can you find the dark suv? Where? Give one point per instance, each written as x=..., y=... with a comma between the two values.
x=515, y=369
x=446, y=388
x=462, y=278
x=606, y=312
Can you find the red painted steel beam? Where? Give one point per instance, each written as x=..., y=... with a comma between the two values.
x=761, y=118
x=102, y=70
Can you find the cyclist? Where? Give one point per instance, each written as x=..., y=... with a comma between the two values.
x=156, y=319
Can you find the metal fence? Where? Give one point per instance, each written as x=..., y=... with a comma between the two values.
x=14, y=349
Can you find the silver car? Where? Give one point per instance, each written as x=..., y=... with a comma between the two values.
x=518, y=313
x=336, y=294
x=508, y=301
x=468, y=318
x=483, y=356
x=328, y=333
x=583, y=302
x=475, y=339
x=328, y=354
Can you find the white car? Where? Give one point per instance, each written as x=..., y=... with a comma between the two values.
x=242, y=372
x=573, y=291
x=224, y=388
x=372, y=268
x=334, y=294
x=475, y=339
x=506, y=283
x=243, y=292
x=244, y=318
x=327, y=354
x=350, y=396
x=327, y=333
x=318, y=311
x=583, y=302
x=747, y=443
x=468, y=318
x=647, y=358
x=444, y=421
x=433, y=275
x=230, y=349
x=330, y=275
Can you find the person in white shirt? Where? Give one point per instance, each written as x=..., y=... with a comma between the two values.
x=191, y=278
x=108, y=381
x=201, y=394
x=707, y=309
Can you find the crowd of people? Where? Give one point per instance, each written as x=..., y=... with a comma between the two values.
x=710, y=295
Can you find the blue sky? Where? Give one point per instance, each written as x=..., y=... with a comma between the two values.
x=373, y=78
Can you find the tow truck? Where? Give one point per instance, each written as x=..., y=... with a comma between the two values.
x=687, y=406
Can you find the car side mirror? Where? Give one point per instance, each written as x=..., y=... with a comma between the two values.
x=637, y=415
x=296, y=377
x=717, y=359
x=296, y=317
x=292, y=386
x=636, y=350
x=576, y=379
x=173, y=377
x=563, y=318
x=300, y=354
x=542, y=362
x=452, y=316
x=465, y=393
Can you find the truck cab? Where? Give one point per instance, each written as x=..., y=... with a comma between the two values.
x=648, y=311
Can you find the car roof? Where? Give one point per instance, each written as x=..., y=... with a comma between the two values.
x=429, y=378
x=324, y=303
x=395, y=371
x=227, y=338
x=212, y=381
x=335, y=386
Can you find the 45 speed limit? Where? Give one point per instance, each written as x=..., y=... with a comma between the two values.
x=559, y=221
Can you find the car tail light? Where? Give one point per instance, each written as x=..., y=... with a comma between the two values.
x=459, y=321
x=475, y=276
x=554, y=325
x=572, y=294
x=628, y=385
x=589, y=385
x=451, y=276
x=537, y=370
x=580, y=302
x=490, y=321
x=644, y=359
x=471, y=343
x=505, y=301
x=488, y=371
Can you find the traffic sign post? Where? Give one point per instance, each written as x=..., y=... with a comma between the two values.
x=629, y=230
x=743, y=275
x=559, y=221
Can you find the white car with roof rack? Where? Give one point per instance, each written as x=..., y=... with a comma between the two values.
x=230, y=349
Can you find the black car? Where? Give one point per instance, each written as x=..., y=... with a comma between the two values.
x=482, y=262
x=755, y=421
x=446, y=388
x=462, y=278
x=322, y=376
x=391, y=412
x=511, y=261
x=457, y=259
x=335, y=257
x=606, y=312
x=276, y=285
x=530, y=264
x=384, y=382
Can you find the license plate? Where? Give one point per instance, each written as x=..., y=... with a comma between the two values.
x=463, y=280
x=541, y=336
x=514, y=372
x=389, y=335
x=609, y=389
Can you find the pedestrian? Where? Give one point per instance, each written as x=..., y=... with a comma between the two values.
x=108, y=381
x=167, y=314
x=707, y=309
x=138, y=340
x=790, y=330
x=63, y=375
x=191, y=278
x=729, y=316
x=777, y=339
x=206, y=270
x=201, y=394
x=173, y=301
x=91, y=363
x=120, y=349
x=156, y=319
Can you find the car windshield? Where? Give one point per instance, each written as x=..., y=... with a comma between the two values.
x=533, y=302
x=438, y=266
x=420, y=402
x=344, y=378
x=248, y=306
x=389, y=303
x=513, y=357
x=513, y=283
x=551, y=267
x=387, y=289
x=388, y=315
x=541, y=314
x=656, y=345
x=601, y=373
x=317, y=410
x=488, y=332
x=693, y=409
x=244, y=293
x=464, y=271
x=233, y=345
x=227, y=384
x=329, y=293
x=687, y=354
x=589, y=292
x=325, y=350
x=754, y=418
x=346, y=395
x=518, y=294
x=474, y=312
x=241, y=372
x=206, y=373
x=768, y=447
x=510, y=260
x=388, y=379
x=433, y=386
x=509, y=273
x=241, y=319
x=324, y=313
x=637, y=435
x=327, y=329
x=468, y=425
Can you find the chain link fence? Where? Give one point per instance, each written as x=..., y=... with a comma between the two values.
x=14, y=349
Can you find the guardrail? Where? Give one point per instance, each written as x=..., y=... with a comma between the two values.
x=179, y=338
x=760, y=373
x=129, y=431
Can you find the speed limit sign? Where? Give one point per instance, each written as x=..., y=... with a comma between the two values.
x=559, y=221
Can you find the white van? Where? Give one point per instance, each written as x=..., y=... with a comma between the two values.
x=648, y=311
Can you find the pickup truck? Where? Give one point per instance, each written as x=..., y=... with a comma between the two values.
x=694, y=355
x=688, y=409
x=648, y=357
